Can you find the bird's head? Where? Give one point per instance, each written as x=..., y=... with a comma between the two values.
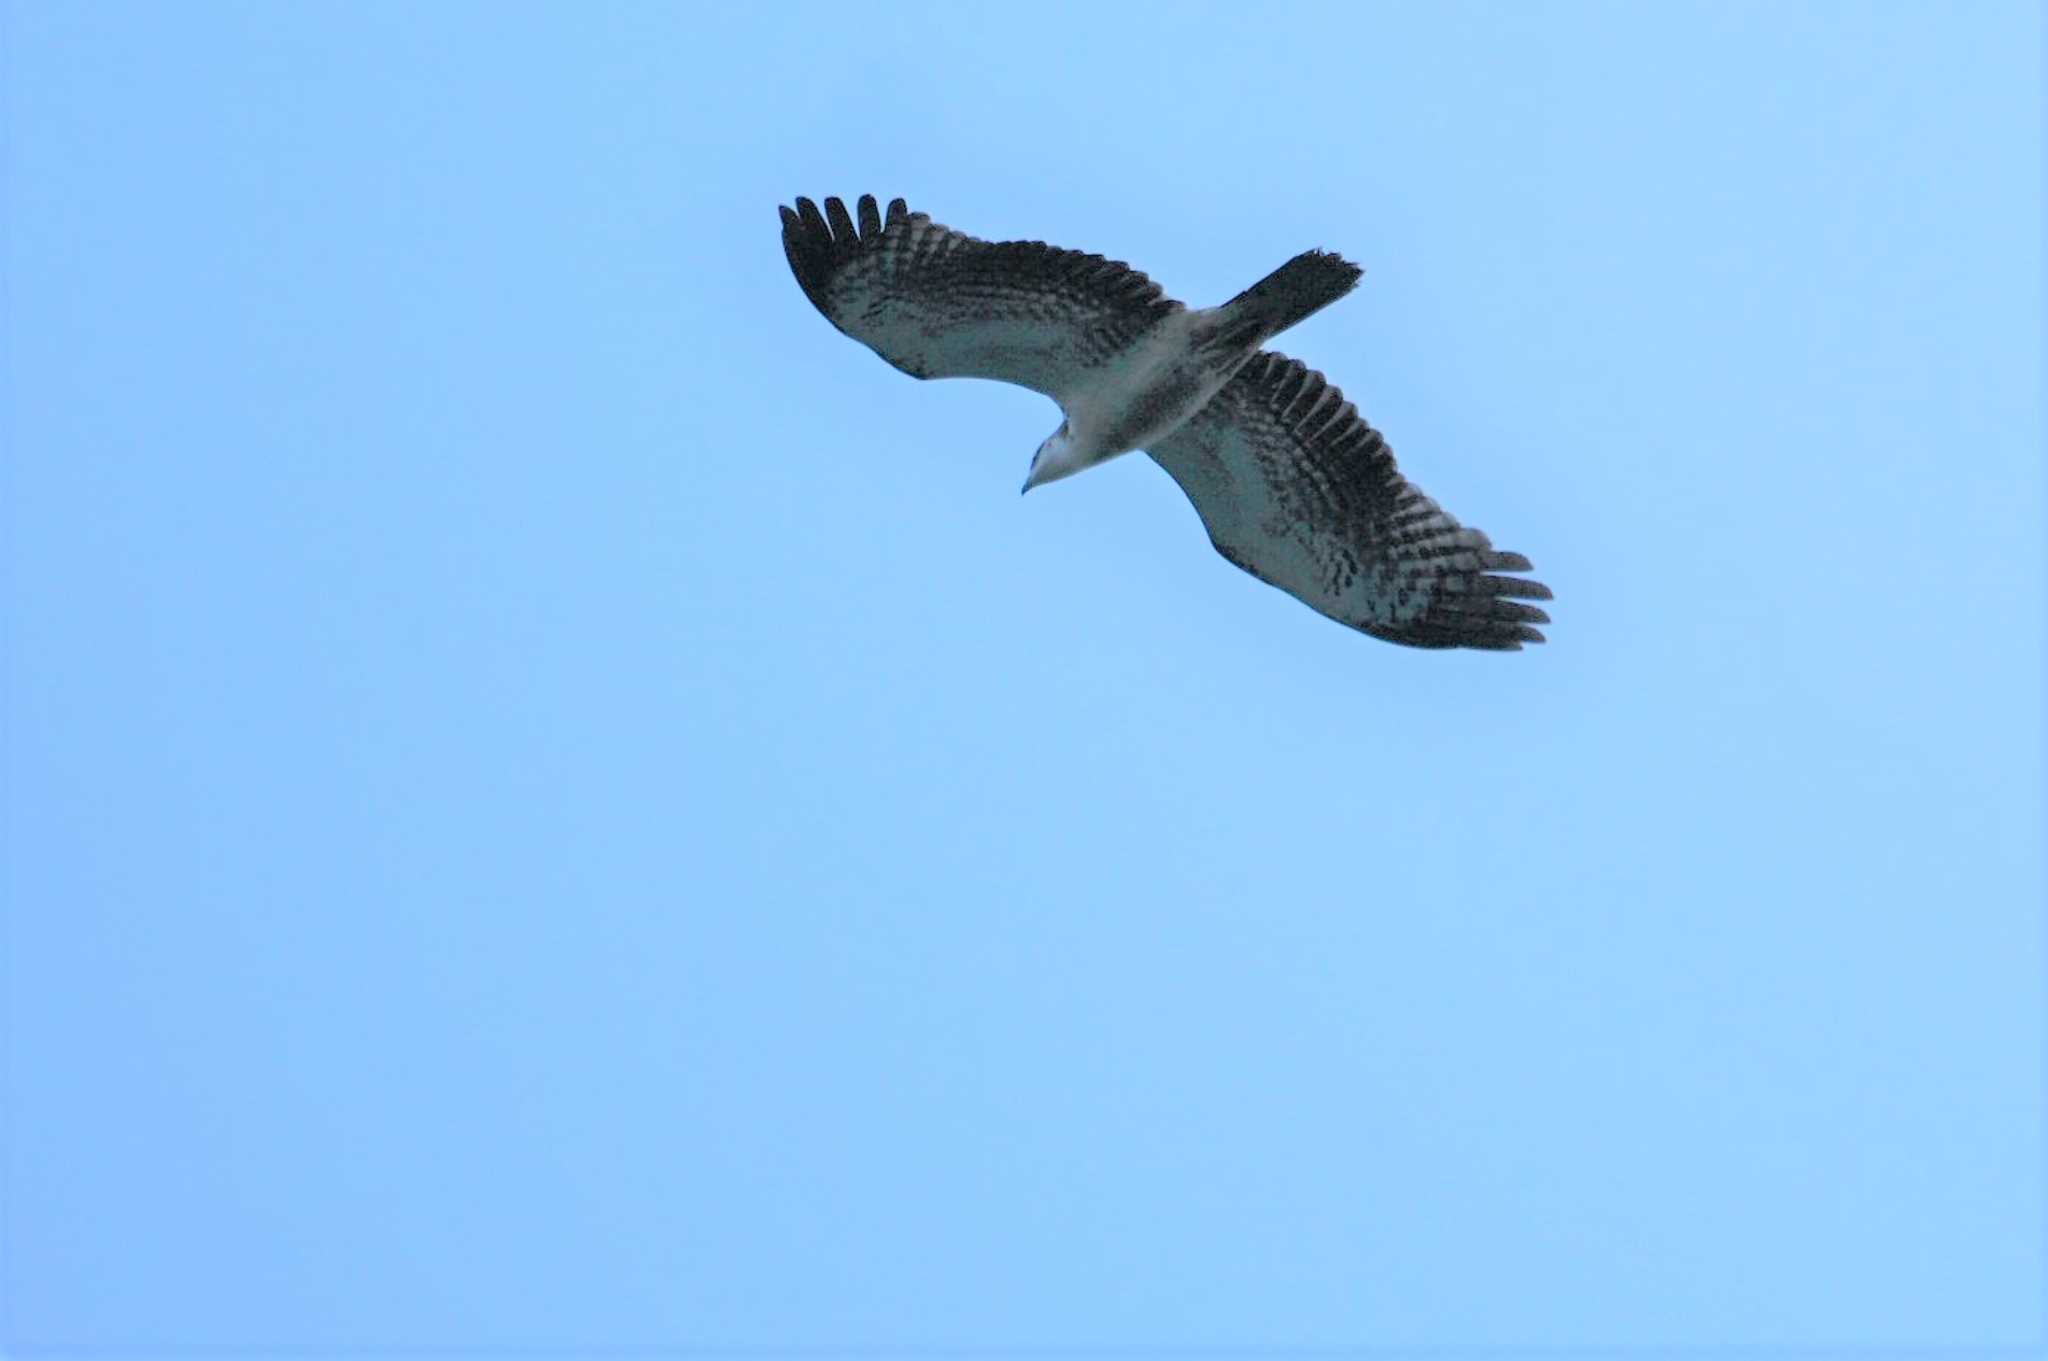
x=1060, y=456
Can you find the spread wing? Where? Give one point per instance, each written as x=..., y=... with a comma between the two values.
x=937, y=303
x=1295, y=488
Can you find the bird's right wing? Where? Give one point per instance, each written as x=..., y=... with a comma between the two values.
x=1295, y=488
x=937, y=303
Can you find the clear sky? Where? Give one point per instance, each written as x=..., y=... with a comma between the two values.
x=554, y=801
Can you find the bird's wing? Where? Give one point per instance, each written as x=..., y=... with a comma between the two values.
x=937, y=303
x=1295, y=488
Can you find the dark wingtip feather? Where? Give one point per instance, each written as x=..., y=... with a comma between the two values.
x=842, y=225
x=1505, y=594
x=1481, y=612
x=809, y=250
x=1518, y=587
x=819, y=242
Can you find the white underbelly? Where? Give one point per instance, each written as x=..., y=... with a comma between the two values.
x=1143, y=395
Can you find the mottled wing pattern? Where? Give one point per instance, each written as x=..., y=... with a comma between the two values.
x=1295, y=488
x=937, y=303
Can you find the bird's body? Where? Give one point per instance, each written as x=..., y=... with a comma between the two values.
x=1145, y=390
x=1291, y=484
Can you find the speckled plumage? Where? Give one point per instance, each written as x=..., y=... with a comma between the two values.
x=1295, y=488
x=940, y=304
x=1292, y=485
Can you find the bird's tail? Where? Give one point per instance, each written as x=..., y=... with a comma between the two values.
x=1292, y=293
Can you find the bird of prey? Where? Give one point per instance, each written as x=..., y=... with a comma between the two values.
x=1292, y=485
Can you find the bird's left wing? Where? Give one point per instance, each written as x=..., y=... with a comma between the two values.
x=1295, y=488
x=938, y=303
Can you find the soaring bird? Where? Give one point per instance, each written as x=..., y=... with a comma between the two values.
x=1291, y=483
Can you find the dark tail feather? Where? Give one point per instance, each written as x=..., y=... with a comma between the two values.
x=1294, y=292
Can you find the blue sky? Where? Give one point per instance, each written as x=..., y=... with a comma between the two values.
x=551, y=800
